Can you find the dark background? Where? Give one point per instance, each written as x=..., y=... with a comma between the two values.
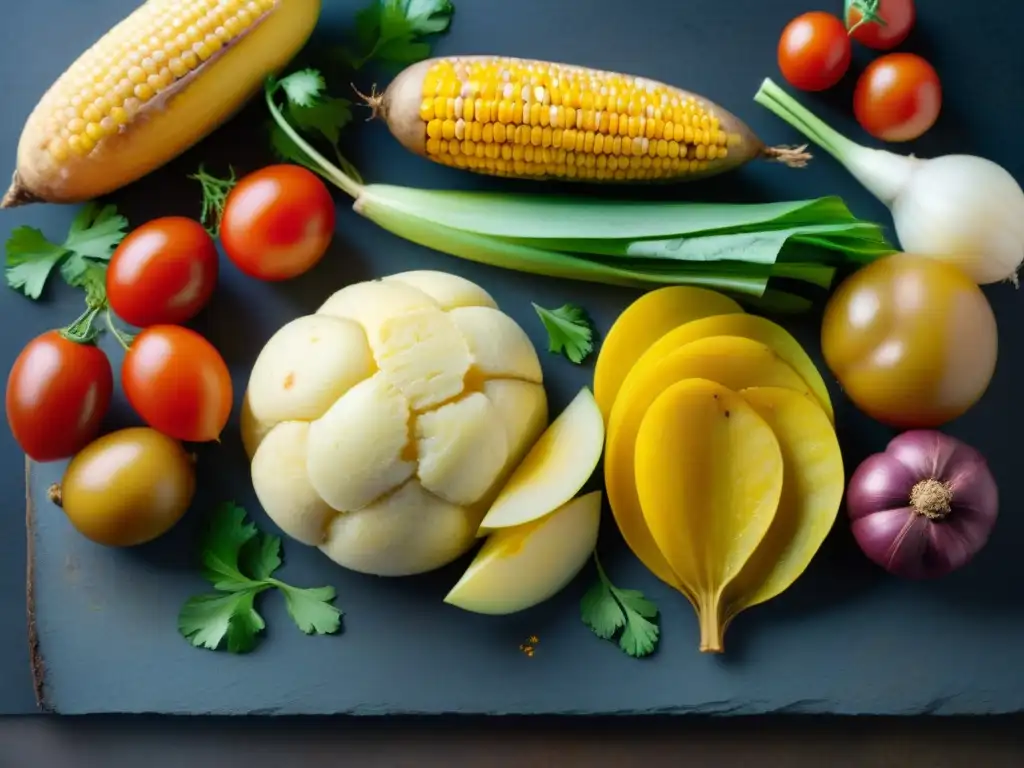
x=719, y=49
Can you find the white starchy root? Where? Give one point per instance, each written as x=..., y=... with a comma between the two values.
x=522, y=407
x=449, y=291
x=355, y=450
x=381, y=427
x=462, y=449
x=498, y=346
x=408, y=532
x=306, y=366
x=282, y=484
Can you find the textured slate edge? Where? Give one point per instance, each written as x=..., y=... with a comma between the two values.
x=35, y=655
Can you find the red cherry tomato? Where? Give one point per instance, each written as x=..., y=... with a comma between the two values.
x=58, y=392
x=163, y=272
x=898, y=97
x=814, y=51
x=898, y=17
x=277, y=222
x=178, y=383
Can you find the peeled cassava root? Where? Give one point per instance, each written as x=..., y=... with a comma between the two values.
x=154, y=85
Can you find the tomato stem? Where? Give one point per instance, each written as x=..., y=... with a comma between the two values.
x=81, y=331
x=124, y=339
x=868, y=13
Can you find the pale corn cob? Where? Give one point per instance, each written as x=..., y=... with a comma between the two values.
x=542, y=120
x=156, y=83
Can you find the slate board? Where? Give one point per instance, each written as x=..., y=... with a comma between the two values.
x=845, y=639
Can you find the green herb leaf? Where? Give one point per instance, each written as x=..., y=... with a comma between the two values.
x=303, y=87
x=569, y=331
x=326, y=116
x=30, y=260
x=239, y=560
x=226, y=534
x=96, y=232
x=391, y=31
x=311, y=609
x=607, y=609
x=206, y=620
x=215, y=195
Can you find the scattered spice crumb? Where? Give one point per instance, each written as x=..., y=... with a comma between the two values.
x=529, y=646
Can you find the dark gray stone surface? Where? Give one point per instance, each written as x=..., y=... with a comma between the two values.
x=844, y=639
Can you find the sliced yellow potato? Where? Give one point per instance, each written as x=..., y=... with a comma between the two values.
x=733, y=362
x=498, y=345
x=709, y=478
x=749, y=327
x=644, y=322
x=522, y=566
x=557, y=466
x=522, y=408
x=812, y=491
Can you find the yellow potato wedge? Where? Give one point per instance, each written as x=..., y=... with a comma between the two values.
x=749, y=327
x=733, y=362
x=709, y=477
x=642, y=324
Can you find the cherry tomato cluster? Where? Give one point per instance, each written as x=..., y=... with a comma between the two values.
x=898, y=96
x=276, y=224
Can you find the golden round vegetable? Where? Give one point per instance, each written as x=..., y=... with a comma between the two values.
x=155, y=84
x=381, y=427
x=912, y=341
x=128, y=487
x=505, y=116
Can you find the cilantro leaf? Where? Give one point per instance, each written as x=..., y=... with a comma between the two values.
x=261, y=556
x=303, y=87
x=606, y=609
x=240, y=561
x=569, y=331
x=225, y=535
x=30, y=260
x=326, y=115
x=95, y=232
x=89, y=275
x=390, y=31
x=206, y=620
x=215, y=197
x=311, y=609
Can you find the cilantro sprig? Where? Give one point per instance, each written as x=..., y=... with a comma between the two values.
x=606, y=609
x=392, y=31
x=215, y=196
x=31, y=258
x=239, y=561
x=569, y=331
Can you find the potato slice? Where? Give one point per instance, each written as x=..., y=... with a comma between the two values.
x=555, y=469
x=373, y=302
x=407, y=532
x=448, y=290
x=732, y=361
x=749, y=327
x=305, y=366
x=642, y=323
x=497, y=344
x=357, y=450
x=282, y=485
x=709, y=478
x=812, y=491
x=519, y=567
x=462, y=449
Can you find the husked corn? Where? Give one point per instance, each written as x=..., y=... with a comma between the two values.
x=514, y=117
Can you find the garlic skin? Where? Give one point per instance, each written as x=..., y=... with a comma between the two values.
x=966, y=210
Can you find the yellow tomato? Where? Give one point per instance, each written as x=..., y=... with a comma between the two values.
x=912, y=341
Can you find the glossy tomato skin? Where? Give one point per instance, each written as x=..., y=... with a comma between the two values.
x=898, y=97
x=163, y=272
x=912, y=341
x=899, y=17
x=178, y=383
x=814, y=51
x=277, y=222
x=58, y=392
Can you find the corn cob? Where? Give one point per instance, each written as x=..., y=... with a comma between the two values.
x=532, y=119
x=155, y=84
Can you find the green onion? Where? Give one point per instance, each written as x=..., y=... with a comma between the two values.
x=736, y=248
